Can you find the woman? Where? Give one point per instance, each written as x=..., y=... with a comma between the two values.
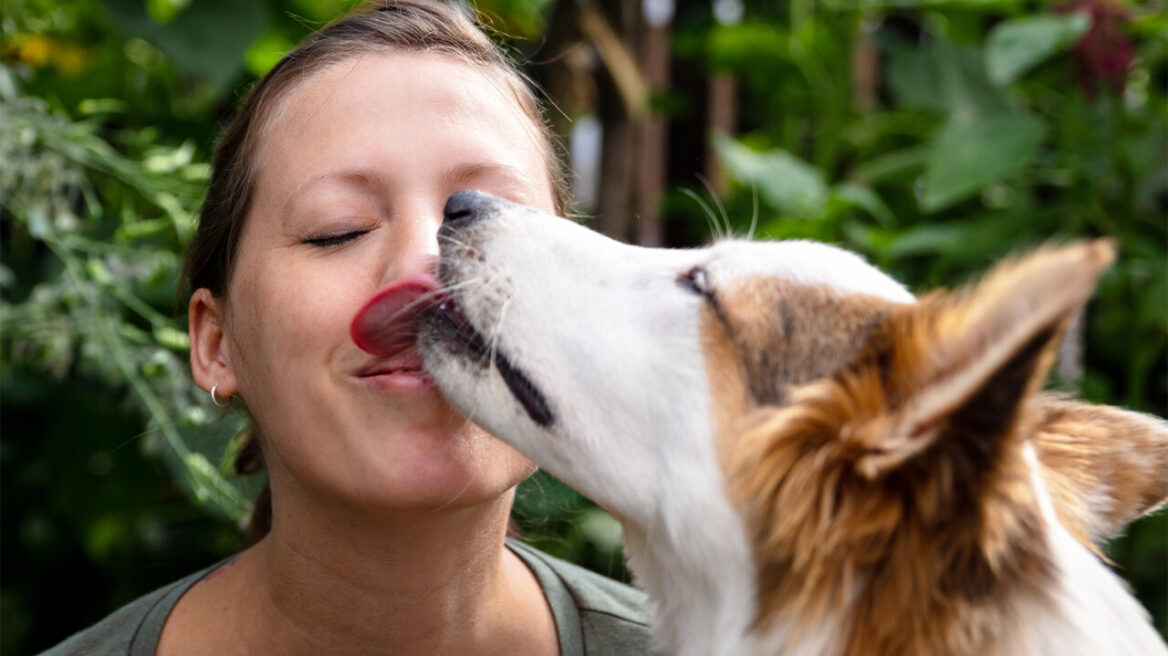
x=388, y=510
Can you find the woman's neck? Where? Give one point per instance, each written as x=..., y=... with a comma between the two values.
x=426, y=581
x=328, y=581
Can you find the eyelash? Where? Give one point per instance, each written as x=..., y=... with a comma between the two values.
x=327, y=241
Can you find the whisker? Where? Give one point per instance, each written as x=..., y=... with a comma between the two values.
x=469, y=282
x=711, y=218
x=498, y=329
x=753, y=211
x=447, y=239
x=422, y=300
x=718, y=203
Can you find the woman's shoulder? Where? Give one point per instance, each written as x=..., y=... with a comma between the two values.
x=593, y=592
x=613, y=617
x=133, y=629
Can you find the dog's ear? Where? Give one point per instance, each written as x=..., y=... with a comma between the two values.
x=1103, y=466
x=965, y=361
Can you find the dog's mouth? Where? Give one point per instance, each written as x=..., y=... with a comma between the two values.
x=447, y=322
x=394, y=317
x=447, y=319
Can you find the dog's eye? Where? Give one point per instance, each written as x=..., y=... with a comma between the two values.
x=696, y=280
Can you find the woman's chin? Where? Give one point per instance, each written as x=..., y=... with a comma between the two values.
x=442, y=470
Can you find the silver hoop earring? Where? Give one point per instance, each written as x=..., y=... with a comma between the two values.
x=230, y=400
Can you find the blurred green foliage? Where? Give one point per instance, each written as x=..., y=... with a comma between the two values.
x=984, y=128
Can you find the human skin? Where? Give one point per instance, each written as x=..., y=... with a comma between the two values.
x=389, y=508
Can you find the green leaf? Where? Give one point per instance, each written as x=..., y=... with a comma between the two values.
x=1014, y=47
x=842, y=5
x=168, y=160
x=943, y=77
x=516, y=18
x=895, y=166
x=855, y=195
x=1155, y=300
x=741, y=47
x=165, y=11
x=967, y=156
x=785, y=182
x=106, y=535
x=91, y=106
x=99, y=273
x=208, y=38
x=322, y=11
x=928, y=239
x=210, y=488
x=172, y=338
x=143, y=229
x=544, y=496
x=266, y=51
x=913, y=78
x=599, y=528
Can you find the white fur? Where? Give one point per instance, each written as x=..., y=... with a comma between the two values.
x=803, y=262
x=1092, y=612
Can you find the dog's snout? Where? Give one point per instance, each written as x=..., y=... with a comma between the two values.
x=463, y=206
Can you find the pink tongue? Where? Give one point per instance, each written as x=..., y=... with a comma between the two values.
x=389, y=321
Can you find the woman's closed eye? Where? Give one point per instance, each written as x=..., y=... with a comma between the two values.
x=328, y=240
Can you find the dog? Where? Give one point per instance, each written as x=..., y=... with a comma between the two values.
x=805, y=458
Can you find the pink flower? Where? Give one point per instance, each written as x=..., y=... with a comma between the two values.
x=1104, y=54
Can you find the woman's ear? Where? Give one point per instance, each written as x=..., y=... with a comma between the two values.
x=211, y=362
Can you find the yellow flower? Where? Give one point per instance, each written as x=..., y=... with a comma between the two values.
x=35, y=50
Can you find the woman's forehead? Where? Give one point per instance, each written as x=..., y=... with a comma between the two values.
x=397, y=111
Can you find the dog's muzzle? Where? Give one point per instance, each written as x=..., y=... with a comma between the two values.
x=447, y=322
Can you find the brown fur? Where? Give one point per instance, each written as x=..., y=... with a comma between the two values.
x=1103, y=466
x=875, y=452
x=930, y=541
x=785, y=334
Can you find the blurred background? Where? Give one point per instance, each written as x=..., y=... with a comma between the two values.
x=935, y=137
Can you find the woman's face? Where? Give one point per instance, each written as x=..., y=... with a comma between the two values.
x=353, y=172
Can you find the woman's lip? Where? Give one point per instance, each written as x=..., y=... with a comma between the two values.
x=399, y=381
x=407, y=361
x=386, y=372
x=384, y=368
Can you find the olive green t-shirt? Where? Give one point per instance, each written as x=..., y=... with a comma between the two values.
x=594, y=615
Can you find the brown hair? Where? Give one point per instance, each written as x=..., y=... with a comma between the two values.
x=380, y=25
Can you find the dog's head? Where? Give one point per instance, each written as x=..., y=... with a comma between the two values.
x=609, y=363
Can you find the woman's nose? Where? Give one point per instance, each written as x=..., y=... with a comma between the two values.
x=412, y=244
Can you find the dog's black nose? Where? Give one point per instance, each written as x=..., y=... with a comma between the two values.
x=463, y=206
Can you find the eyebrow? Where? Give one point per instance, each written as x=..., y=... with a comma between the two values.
x=358, y=177
x=465, y=173
x=372, y=178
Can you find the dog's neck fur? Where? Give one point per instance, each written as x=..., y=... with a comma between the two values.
x=701, y=577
